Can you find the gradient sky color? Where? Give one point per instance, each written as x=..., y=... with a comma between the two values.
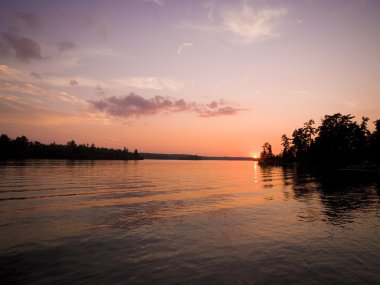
x=197, y=77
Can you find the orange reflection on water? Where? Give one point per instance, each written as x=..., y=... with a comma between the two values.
x=203, y=185
x=139, y=192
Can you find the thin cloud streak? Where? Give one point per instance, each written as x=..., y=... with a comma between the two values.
x=14, y=110
x=155, y=83
x=34, y=92
x=134, y=105
x=9, y=74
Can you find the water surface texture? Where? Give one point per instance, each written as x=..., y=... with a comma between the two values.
x=184, y=222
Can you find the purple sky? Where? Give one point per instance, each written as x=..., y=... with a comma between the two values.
x=205, y=77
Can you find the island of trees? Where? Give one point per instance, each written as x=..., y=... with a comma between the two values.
x=339, y=141
x=22, y=148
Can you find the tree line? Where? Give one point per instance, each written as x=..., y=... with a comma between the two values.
x=338, y=141
x=22, y=148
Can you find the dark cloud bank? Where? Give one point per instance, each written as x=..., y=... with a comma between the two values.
x=13, y=44
x=24, y=48
x=136, y=105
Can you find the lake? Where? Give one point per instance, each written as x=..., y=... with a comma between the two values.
x=185, y=222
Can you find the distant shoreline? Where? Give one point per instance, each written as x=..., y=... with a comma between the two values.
x=22, y=148
x=164, y=156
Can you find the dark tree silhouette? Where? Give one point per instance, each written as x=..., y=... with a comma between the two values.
x=374, y=148
x=22, y=148
x=338, y=141
x=5, y=146
x=288, y=150
x=341, y=140
x=266, y=154
x=303, y=139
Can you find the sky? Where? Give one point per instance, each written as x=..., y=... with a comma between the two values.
x=196, y=77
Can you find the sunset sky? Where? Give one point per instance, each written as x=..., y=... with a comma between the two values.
x=172, y=76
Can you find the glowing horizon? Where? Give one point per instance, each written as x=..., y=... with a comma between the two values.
x=213, y=78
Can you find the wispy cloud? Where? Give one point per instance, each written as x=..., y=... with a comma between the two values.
x=16, y=110
x=34, y=92
x=9, y=74
x=184, y=46
x=155, y=83
x=29, y=98
x=250, y=25
x=135, y=105
x=32, y=87
x=242, y=24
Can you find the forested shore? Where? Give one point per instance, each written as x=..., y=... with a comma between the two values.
x=339, y=141
x=22, y=148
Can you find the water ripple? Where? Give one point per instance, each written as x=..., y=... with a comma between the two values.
x=188, y=222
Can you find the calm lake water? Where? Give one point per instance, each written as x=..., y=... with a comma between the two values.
x=185, y=222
